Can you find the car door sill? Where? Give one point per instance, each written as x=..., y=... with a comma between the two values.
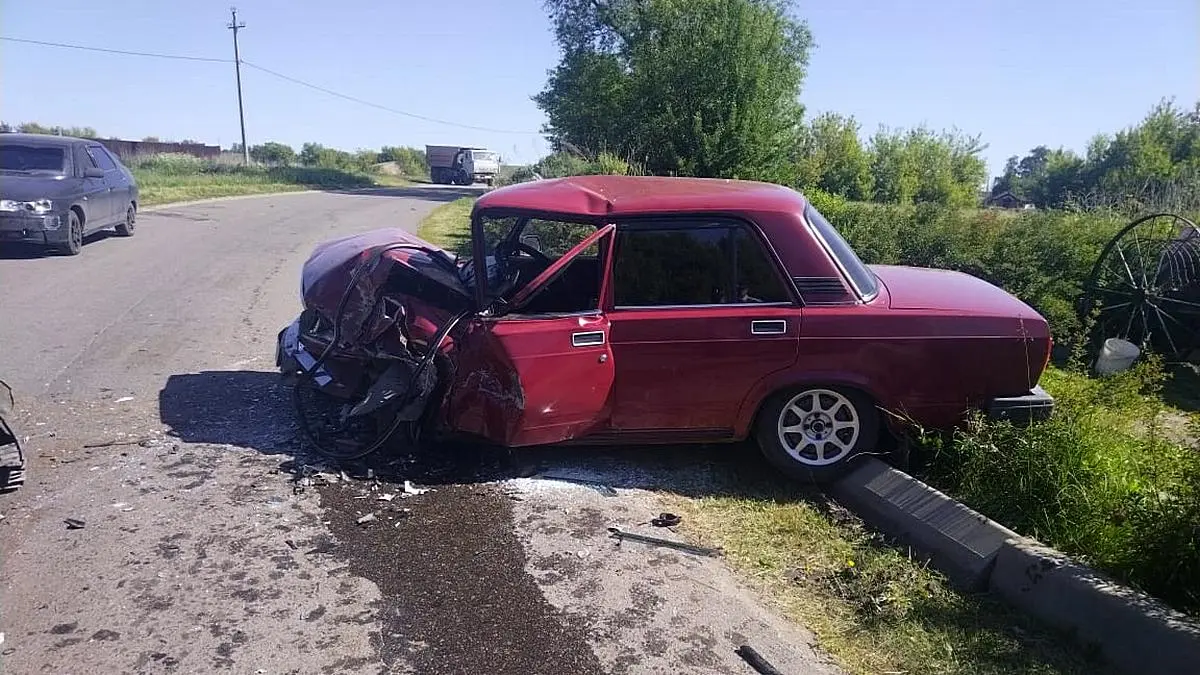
x=656, y=436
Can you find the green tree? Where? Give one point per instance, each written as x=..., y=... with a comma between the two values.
x=273, y=153
x=35, y=128
x=833, y=159
x=688, y=87
x=920, y=166
x=310, y=154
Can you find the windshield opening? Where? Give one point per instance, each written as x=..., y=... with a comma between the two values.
x=29, y=158
x=517, y=249
x=861, y=277
x=484, y=155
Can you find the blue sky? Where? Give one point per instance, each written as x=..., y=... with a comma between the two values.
x=1019, y=73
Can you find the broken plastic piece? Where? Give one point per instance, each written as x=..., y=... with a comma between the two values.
x=756, y=661
x=366, y=519
x=666, y=520
x=74, y=524
x=410, y=489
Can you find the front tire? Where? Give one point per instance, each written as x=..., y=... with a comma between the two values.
x=74, y=243
x=125, y=229
x=813, y=433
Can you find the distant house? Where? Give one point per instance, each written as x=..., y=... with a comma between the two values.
x=1006, y=200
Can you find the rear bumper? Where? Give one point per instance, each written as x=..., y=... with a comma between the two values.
x=1036, y=406
x=31, y=229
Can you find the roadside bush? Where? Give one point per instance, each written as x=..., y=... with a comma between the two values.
x=1100, y=480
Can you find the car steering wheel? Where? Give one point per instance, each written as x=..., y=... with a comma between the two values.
x=522, y=246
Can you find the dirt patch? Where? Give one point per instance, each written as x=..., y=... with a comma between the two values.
x=456, y=595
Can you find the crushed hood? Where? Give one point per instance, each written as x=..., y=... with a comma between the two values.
x=387, y=263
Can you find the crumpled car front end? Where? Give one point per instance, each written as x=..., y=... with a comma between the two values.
x=363, y=355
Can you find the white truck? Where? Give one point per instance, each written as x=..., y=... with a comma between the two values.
x=458, y=165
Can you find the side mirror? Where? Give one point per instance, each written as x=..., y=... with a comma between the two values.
x=93, y=172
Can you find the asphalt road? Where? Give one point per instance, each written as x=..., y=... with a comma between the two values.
x=145, y=378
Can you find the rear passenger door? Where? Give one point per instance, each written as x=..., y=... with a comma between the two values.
x=699, y=314
x=103, y=204
x=97, y=198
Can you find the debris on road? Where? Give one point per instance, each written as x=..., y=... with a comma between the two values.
x=109, y=444
x=123, y=399
x=74, y=524
x=666, y=520
x=291, y=544
x=366, y=519
x=622, y=535
x=411, y=490
x=385, y=497
x=756, y=661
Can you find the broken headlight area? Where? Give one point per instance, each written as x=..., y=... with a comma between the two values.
x=379, y=308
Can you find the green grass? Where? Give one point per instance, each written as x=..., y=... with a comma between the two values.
x=1110, y=479
x=449, y=226
x=173, y=178
x=872, y=607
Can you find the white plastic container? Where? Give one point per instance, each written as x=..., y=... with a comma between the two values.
x=1116, y=355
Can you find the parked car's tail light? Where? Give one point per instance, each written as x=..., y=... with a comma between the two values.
x=39, y=207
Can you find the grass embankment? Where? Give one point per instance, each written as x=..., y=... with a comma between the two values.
x=873, y=608
x=449, y=226
x=173, y=178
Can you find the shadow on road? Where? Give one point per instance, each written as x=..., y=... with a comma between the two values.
x=23, y=251
x=253, y=409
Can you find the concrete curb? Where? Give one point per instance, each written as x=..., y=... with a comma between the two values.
x=1135, y=632
x=956, y=540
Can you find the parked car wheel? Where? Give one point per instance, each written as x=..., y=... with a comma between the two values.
x=125, y=229
x=74, y=235
x=812, y=433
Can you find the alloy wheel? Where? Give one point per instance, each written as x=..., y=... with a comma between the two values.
x=818, y=427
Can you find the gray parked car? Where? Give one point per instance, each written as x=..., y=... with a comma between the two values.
x=54, y=190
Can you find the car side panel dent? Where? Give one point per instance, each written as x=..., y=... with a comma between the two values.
x=486, y=399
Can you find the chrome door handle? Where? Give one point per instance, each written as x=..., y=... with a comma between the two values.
x=588, y=339
x=768, y=327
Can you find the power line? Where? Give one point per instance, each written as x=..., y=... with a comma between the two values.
x=281, y=76
x=382, y=107
x=180, y=57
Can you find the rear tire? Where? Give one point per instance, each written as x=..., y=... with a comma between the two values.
x=125, y=229
x=74, y=243
x=813, y=433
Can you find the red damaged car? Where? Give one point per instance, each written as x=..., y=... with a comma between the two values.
x=615, y=309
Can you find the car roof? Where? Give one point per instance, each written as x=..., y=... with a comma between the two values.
x=49, y=140
x=597, y=196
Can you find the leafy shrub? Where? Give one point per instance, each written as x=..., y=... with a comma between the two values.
x=1099, y=480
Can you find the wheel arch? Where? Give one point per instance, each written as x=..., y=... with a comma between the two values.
x=771, y=387
x=80, y=213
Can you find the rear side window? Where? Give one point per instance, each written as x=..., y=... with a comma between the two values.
x=863, y=278
x=101, y=158
x=702, y=263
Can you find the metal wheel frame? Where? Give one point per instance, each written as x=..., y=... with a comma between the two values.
x=1149, y=306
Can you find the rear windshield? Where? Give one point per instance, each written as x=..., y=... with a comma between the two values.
x=32, y=159
x=862, y=277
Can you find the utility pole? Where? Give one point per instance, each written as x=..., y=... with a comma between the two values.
x=237, y=65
